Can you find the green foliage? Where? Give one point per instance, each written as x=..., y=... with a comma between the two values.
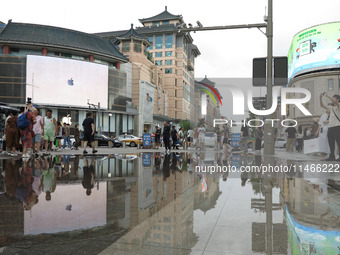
x=185, y=124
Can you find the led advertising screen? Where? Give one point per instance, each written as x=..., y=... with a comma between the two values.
x=58, y=81
x=315, y=48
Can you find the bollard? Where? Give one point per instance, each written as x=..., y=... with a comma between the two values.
x=110, y=144
x=253, y=145
x=185, y=145
x=124, y=145
x=82, y=144
x=138, y=146
x=96, y=143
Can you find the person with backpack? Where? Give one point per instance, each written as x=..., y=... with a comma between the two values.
x=25, y=123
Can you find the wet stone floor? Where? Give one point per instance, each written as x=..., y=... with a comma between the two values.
x=154, y=203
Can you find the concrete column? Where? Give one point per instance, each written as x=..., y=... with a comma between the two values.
x=44, y=51
x=6, y=49
x=118, y=65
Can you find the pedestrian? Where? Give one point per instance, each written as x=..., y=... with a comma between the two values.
x=66, y=136
x=259, y=138
x=180, y=136
x=49, y=129
x=58, y=135
x=201, y=137
x=291, y=131
x=76, y=136
x=299, y=139
x=157, y=137
x=190, y=137
x=174, y=137
x=38, y=128
x=88, y=126
x=27, y=132
x=166, y=137
x=333, y=134
x=244, y=138
x=225, y=137
x=323, y=131
x=11, y=133
x=314, y=128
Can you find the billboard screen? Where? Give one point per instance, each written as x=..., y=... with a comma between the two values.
x=314, y=48
x=59, y=81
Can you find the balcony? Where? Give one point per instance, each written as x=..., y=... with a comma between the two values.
x=190, y=65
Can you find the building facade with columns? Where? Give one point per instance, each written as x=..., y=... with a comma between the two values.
x=69, y=71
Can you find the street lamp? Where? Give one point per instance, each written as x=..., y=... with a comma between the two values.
x=96, y=107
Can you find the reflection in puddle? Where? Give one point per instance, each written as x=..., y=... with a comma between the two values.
x=152, y=202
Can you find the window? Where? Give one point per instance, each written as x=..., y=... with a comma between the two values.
x=150, y=38
x=165, y=22
x=159, y=42
x=126, y=46
x=168, y=53
x=158, y=62
x=137, y=47
x=168, y=62
x=168, y=70
x=168, y=41
x=330, y=84
x=155, y=23
x=158, y=54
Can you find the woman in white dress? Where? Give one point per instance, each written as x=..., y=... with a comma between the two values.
x=323, y=130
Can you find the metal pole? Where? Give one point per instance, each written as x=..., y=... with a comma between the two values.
x=268, y=129
x=99, y=120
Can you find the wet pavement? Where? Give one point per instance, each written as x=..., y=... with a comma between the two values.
x=154, y=203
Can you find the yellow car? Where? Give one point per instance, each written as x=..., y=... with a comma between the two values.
x=130, y=140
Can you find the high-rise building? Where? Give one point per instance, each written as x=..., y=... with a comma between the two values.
x=174, y=52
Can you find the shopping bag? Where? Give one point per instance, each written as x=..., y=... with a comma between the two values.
x=311, y=146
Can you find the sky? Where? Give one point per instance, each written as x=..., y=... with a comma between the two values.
x=225, y=53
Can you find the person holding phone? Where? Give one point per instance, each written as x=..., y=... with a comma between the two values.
x=333, y=134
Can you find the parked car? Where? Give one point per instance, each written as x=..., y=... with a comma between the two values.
x=104, y=140
x=130, y=140
x=280, y=143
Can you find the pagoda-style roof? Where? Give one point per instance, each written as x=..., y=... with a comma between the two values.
x=206, y=81
x=132, y=34
x=163, y=16
x=56, y=37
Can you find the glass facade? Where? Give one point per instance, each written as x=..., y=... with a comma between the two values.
x=150, y=38
x=168, y=53
x=168, y=70
x=158, y=62
x=158, y=54
x=168, y=41
x=168, y=62
x=159, y=42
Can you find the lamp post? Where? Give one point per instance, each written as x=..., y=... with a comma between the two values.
x=96, y=107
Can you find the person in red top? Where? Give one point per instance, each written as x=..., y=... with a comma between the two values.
x=27, y=133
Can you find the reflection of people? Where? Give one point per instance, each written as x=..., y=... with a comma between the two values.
x=201, y=137
x=244, y=178
x=166, y=167
x=11, y=178
x=323, y=130
x=49, y=179
x=157, y=162
x=259, y=137
x=88, y=179
x=173, y=163
x=299, y=139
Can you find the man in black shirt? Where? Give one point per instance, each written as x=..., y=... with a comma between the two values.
x=166, y=137
x=244, y=138
x=291, y=131
x=88, y=126
x=174, y=137
x=157, y=137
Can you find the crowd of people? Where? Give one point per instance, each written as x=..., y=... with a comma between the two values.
x=324, y=129
x=29, y=132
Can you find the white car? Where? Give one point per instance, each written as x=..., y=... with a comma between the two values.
x=280, y=143
x=209, y=139
x=130, y=140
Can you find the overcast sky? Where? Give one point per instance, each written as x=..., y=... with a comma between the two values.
x=226, y=53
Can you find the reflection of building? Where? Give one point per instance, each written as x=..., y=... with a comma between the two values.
x=65, y=70
x=313, y=64
x=175, y=53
